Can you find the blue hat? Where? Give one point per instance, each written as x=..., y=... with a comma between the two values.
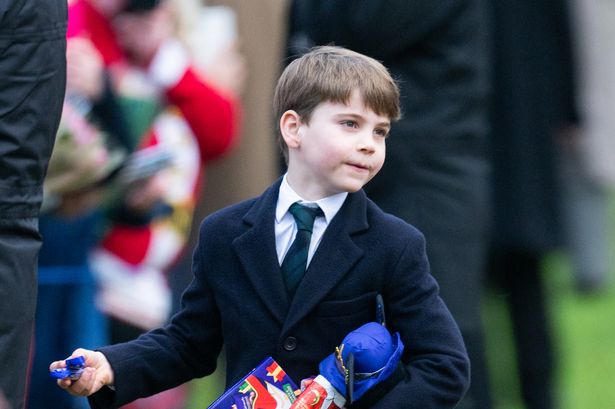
x=376, y=354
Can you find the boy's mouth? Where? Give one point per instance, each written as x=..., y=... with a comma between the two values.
x=359, y=166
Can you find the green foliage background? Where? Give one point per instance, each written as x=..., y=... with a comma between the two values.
x=584, y=334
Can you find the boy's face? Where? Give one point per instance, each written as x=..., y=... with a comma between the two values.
x=340, y=150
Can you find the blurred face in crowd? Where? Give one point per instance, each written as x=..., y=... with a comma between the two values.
x=141, y=33
x=109, y=8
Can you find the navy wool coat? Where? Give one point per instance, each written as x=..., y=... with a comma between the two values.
x=237, y=299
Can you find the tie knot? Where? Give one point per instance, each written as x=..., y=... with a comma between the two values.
x=304, y=215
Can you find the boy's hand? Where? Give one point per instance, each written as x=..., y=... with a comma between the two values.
x=97, y=373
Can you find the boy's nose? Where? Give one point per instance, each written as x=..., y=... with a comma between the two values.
x=367, y=143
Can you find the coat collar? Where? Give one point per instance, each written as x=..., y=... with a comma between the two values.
x=336, y=254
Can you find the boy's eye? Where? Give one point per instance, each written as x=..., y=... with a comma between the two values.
x=381, y=132
x=350, y=123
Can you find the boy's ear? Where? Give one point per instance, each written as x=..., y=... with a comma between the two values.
x=290, y=125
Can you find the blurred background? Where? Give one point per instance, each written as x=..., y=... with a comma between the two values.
x=509, y=107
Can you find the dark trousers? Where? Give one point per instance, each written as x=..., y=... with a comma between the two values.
x=32, y=86
x=518, y=274
x=19, y=245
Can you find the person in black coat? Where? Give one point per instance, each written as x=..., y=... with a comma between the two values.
x=436, y=173
x=533, y=104
x=32, y=87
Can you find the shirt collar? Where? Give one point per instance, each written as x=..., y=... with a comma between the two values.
x=329, y=205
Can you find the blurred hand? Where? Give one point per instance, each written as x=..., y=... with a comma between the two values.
x=97, y=373
x=228, y=72
x=568, y=137
x=75, y=204
x=84, y=69
x=141, y=34
x=143, y=196
x=3, y=402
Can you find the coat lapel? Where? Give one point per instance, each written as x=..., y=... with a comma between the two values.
x=335, y=256
x=257, y=253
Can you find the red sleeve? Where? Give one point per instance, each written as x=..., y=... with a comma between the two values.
x=214, y=119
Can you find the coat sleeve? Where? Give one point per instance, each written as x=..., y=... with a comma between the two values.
x=213, y=118
x=163, y=358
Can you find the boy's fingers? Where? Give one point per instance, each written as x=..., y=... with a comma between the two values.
x=90, y=356
x=82, y=386
x=57, y=364
x=80, y=352
x=64, y=383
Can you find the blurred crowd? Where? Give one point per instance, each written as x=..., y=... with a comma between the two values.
x=146, y=108
x=503, y=155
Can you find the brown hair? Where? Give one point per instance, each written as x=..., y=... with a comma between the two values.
x=331, y=73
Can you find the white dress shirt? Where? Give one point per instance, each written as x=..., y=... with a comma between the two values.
x=285, y=226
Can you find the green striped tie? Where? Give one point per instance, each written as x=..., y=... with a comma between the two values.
x=295, y=261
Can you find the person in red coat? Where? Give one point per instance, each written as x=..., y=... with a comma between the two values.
x=170, y=110
x=168, y=105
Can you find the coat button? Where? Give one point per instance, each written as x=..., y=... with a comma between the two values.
x=290, y=343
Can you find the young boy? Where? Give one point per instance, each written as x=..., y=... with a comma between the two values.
x=335, y=109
